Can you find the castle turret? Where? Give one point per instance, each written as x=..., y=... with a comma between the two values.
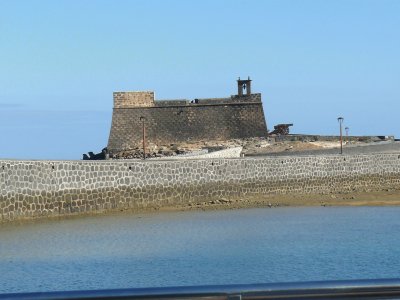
x=244, y=85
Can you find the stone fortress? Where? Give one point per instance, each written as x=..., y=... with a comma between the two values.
x=171, y=121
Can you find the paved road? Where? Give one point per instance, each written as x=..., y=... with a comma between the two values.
x=379, y=147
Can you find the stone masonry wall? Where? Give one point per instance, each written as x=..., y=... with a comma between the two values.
x=172, y=124
x=133, y=99
x=51, y=188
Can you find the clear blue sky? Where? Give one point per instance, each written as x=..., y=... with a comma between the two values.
x=313, y=61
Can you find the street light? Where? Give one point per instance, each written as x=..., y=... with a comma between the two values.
x=347, y=133
x=143, y=136
x=340, y=120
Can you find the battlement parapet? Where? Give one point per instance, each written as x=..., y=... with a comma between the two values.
x=246, y=98
x=133, y=99
x=146, y=99
x=177, y=102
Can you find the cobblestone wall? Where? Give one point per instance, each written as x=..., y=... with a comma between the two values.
x=43, y=188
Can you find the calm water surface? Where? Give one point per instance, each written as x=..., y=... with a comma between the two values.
x=197, y=248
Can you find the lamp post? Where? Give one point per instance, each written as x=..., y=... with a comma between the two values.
x=340, y=120
x=143, y=136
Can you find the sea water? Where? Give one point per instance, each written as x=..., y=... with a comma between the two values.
x=200, y=248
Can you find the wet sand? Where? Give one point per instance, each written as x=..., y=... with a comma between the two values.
x=371, y=198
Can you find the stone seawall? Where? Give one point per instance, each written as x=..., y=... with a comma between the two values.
x=51, y=188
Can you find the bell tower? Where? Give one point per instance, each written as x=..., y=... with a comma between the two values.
x=244, y=86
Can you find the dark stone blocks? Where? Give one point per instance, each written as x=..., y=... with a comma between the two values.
x=241, y=117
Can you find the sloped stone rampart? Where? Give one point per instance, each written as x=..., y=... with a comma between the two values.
x=50, y=188
x=234, y=152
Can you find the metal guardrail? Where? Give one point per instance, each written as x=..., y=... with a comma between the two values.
x=352, y=289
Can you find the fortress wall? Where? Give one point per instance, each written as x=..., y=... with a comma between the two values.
x=171, y=124
x=171, y=102
x=232, y=99
x=251, y=98
x=214, y=100
x=51, y=188
x=133, y=99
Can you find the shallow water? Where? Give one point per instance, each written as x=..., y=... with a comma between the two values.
x=198, y=248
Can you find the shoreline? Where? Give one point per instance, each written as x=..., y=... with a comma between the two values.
x=372, y=198
x=356, y=199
